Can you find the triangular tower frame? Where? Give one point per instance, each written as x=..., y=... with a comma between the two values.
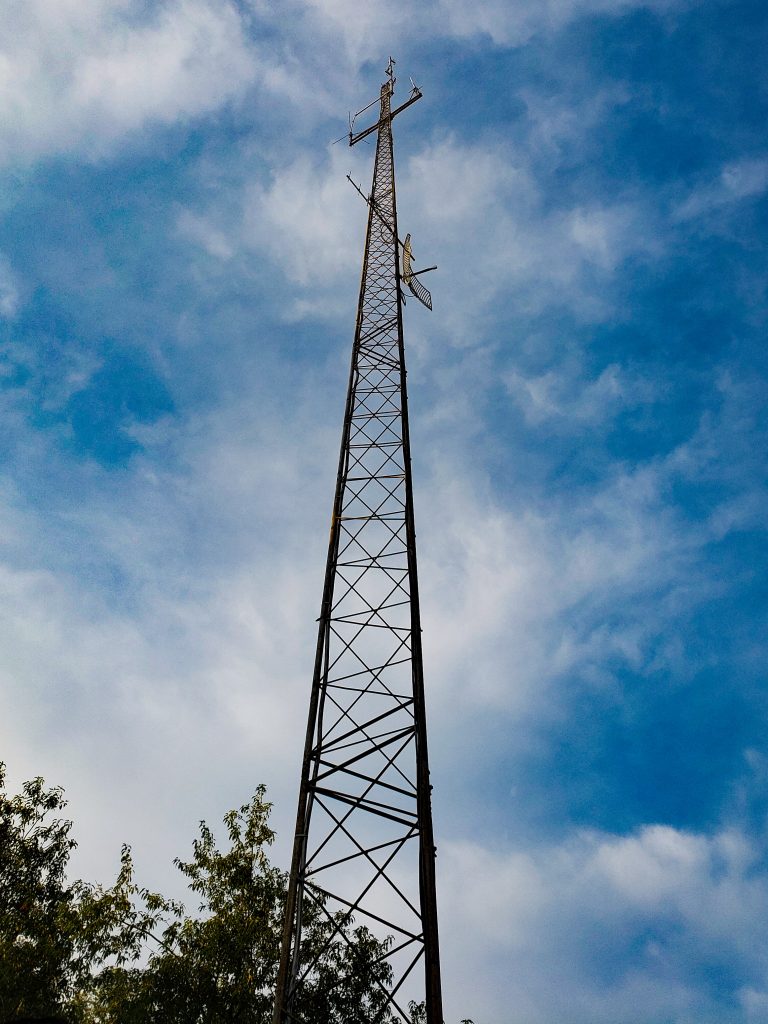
x=364, y=841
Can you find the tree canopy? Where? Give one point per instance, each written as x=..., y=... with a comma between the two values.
x=89, y=954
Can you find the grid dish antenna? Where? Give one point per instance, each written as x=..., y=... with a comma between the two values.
x=410, y=276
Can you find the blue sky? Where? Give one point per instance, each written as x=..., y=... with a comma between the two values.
x=179, y=260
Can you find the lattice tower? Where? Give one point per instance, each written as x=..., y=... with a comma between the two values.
x=363, y=842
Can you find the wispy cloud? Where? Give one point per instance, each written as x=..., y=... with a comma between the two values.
x=513, y=24
x=567, y=397
x=743, y=179
x=9, y=291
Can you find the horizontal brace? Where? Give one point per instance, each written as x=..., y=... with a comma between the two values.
x=367, y=691
x=376, y=476
x=370, y=562
x=389, y=694
x=361, y=726
x=392, y=322
x=371, y=807
x=363, y=853
x=366, y=778
x=387, y=517
x=345, y=621
x=392, y=737
x=380, y=363
x=370, y=609
x=378, y=444
x=376, y=415
x=334, y=748
x=376, y=670
x=357, y=907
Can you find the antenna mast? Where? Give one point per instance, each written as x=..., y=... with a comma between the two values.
x=363, y=844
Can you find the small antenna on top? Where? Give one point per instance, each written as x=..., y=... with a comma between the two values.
x=387, y=89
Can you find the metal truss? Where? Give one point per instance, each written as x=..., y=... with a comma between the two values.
x=363, y=845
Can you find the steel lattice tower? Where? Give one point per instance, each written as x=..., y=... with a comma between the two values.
x=363, y=843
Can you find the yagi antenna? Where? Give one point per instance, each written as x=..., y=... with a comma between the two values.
x=354, y=117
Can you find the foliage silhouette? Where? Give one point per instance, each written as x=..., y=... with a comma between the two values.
x=89, y=954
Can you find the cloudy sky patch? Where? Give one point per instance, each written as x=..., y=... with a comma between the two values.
x=179, y=263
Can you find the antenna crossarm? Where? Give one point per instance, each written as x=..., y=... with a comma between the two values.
x=359, y=136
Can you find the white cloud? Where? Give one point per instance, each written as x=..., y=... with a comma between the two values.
x=755, y=1004
x=553, y=125
x=482, y=210
x=309, y=219
x=623, y=923
x=475, y=210
x=125, y=664
x=365, y=28
x=208, y=628
x=210, y=237
x=156, y=628
x=379, y=28
x=81, y=74
x=168, y=698
x=306, y=220
x=602, y=233
x=517, y=600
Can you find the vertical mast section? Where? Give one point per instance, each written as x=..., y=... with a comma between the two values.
x=363, y=847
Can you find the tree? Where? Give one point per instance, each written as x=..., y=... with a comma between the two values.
x=124, y=955
x=222, y=964
x=56, y=934
x=37, y=949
